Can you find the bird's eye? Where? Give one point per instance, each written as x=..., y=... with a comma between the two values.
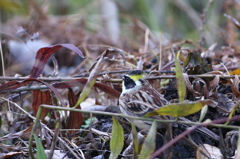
x=127, y=79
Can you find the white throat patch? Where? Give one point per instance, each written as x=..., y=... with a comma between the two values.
x=132, y=90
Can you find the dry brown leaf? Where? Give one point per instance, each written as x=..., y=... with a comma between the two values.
x=190, y=87
x=24, y=134
x=213, y=87
x=225, y=104
x=201, y=86
x=41, y=97
x=75, y=119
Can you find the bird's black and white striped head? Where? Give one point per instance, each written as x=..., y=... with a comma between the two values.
x=132, y=81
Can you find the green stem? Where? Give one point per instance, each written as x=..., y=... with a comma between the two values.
x=213, y=123
x=33, y=131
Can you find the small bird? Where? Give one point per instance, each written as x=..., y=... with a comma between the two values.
x=138, y=97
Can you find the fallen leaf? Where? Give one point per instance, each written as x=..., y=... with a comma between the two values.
x=235, y=72
x=190, y=86
x=180, y=109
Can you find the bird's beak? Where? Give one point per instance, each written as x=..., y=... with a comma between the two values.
x=122, y=76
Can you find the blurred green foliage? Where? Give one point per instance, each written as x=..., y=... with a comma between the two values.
x=178, y=19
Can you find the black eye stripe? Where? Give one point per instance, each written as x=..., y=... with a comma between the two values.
x=127, y=79
x=128, y=82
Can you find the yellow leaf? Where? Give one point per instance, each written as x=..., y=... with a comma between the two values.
x=235, y=72
x=180, y=109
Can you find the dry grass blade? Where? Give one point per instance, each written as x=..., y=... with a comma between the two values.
x=91, y=79
x=95, y=70
x=237, y=24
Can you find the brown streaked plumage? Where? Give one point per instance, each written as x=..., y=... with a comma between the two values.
x=139, y=97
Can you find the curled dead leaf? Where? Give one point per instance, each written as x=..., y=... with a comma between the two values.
x=213, y=87
x=190, y=86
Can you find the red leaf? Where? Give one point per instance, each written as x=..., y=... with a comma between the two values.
x=69, y=84
x=41, y=97
x=75, y=119
x=43, y=55
x=107, y=89
x=59, y=96
x=12, y=85
x=76, y=82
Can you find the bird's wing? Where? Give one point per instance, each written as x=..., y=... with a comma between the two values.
x=144, y=101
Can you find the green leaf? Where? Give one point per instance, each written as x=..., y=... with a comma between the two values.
x=11, y=6
x=149, y=143
x=181, y=85
x=40, y=150
x=135, y=141
x=195, y=64
x=203, y=112
x=86, y=90
x=180, y=109
x=232, y=112
x=117, y=140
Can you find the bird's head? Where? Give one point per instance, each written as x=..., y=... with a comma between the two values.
x=133, y=79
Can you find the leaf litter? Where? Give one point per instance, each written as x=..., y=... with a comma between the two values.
x=205, y=72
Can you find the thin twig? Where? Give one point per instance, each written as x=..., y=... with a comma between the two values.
x=204, y=20
x=87, y=57
x=214, y=123
x=146, y=39
x=160, y=53
x=54, y=140
x=46, y=79
x=25, y=88
x=1, y=53
x=50, y=131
